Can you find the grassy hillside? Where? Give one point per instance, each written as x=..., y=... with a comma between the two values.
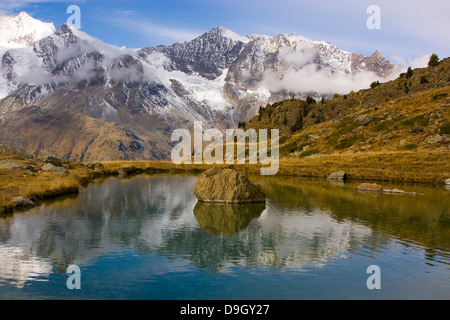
x=411, y=108
x=407, y=118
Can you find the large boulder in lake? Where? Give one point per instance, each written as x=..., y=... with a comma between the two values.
x=220, y=185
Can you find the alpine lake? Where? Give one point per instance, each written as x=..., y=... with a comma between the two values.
x=147, y=237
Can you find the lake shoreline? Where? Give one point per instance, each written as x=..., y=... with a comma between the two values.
x=80, y=175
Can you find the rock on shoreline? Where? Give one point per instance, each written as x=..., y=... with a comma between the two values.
x=22, y=203
x=373, y=187
x=338, y=176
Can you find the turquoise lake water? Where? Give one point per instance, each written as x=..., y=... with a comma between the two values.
x=147, y=237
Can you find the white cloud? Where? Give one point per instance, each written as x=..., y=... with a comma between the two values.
x=312, y=79
x=419, y=62
x=298, y=58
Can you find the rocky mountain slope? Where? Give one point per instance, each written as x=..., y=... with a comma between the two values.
x=72, y=96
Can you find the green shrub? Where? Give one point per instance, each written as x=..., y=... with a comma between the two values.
x=310, y=100
x=347, y=142
x=383, y=125
x=406, y=87
x=305, y=111
x=409, y=73
x=260, y=113
x=420, y=121
x=375, y=84
x=445, y=129
x=282, y=140
x=440, y=96
x=347, y=125
x=423, y=80
x=298, y=123
x=410, y=146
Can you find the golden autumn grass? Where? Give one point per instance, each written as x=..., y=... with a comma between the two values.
x=40, y=186
x=36, y=189
x=400, y=166
x=395, y=166
x=416, y=167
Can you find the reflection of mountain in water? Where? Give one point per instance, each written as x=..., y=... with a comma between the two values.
x=422, y=219
x=226, y=219
x=303, y=224
x=274, y=240
x=19, y=266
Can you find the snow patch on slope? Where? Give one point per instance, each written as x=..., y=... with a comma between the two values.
x=233, y=36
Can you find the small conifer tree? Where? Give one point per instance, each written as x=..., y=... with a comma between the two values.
x=434, y=60
x=423, y=80
x=409, y=73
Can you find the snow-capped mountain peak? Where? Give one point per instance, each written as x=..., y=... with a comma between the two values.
x=22, y=30
x=219, y=78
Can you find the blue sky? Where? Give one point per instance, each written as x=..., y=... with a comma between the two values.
x=410, y=30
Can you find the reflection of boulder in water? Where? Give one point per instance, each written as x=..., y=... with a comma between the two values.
x=226, y=219
x=336, y=182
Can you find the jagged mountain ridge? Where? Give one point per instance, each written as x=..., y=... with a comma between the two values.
x=219, y=78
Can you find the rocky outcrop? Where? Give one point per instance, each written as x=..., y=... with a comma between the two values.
x=373, y=187
x=227, y=186
x=54, y=161
x=435, y=139
x=51, y=168
x=95, y=165
x=370, y=187
x=364, y=119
